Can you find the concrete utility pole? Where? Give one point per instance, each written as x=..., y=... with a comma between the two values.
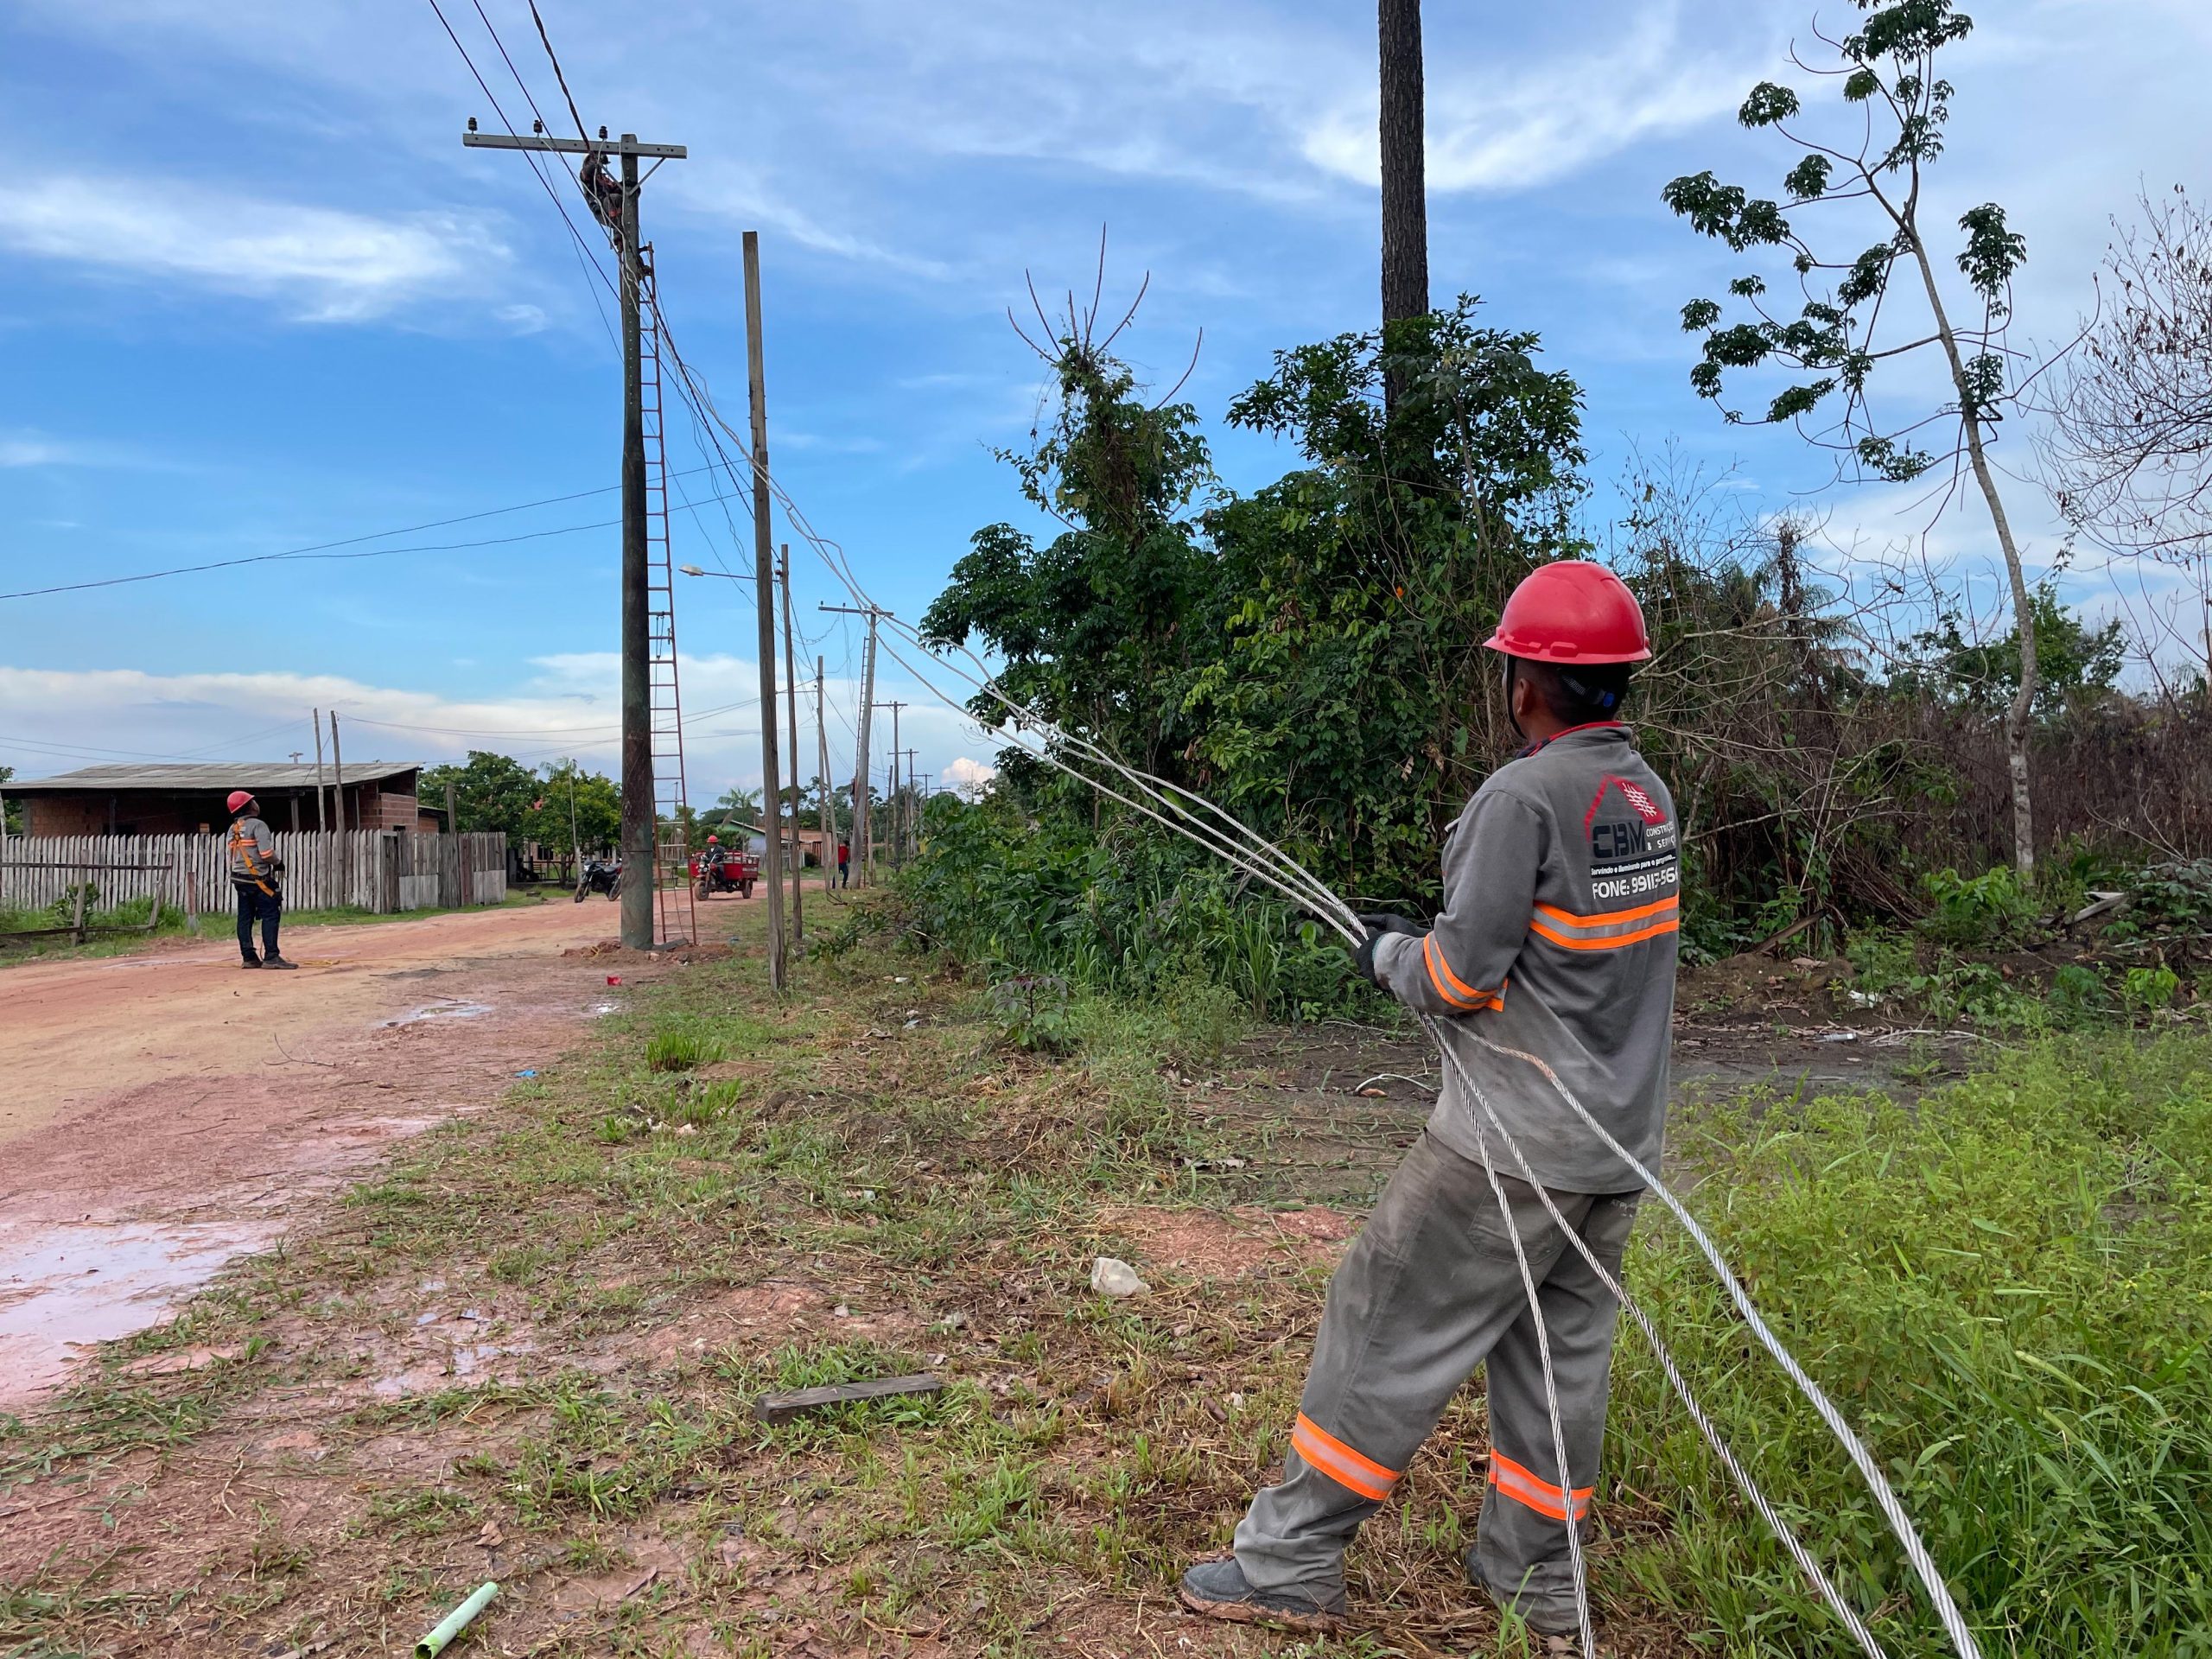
x=909, y=817
x=864, y=785
x=891, y=799
x=763, y=587
x=828, y=809
x=791, y=706
x=615, y=207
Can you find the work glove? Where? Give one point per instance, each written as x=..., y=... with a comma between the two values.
x=1379, y=925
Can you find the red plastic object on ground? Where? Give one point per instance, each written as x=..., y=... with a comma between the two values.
x=1573, y=612
x=615, y=978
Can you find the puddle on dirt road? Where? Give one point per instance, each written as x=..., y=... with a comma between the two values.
x=438, y=1011
x=65, y=1287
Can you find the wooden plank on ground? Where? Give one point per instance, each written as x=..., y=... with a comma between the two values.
x=781, y=1408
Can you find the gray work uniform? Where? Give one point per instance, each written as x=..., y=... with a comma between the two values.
x=1558, y=938
x=253, y=851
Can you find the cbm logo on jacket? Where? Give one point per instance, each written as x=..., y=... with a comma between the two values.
x=1629, y=856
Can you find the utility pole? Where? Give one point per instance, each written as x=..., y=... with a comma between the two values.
x=908, y=815
x=863, y=784
x=615, y=207
x=791, y=706
x=338, y=773
x=321, y=820
x=891, y=800
x=764, y=589
x=829, y=807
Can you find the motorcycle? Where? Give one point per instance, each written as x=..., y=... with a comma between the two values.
x=599, y=875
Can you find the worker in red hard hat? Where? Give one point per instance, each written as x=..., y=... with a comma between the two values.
x=257, y=875
x=1557, y=940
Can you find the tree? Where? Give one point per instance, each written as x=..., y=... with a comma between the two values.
x=493, y=793
x=2129, y=448
x=591, y=800
x=1843, y=329
x=1405, y=170
x=740, y=803
x=13, y=823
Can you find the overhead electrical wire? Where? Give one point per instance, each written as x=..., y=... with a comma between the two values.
x=319, y=549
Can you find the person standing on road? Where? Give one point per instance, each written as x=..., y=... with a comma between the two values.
x=255, y=872
x=1558, y=939
x=844, y=865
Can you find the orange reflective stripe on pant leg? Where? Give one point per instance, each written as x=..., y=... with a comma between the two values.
x=1340, y=1462
x=1523, y=1486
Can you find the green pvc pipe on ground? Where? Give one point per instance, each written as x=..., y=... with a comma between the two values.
x=455, y=1622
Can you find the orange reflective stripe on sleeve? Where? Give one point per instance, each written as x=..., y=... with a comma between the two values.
x=1456, y=992
x=1523, y=1486
x=1325, y=1452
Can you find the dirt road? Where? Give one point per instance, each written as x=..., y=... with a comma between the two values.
x=164, y=1112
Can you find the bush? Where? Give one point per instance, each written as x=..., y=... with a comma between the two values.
x=1976, y=912
x=1132, y=910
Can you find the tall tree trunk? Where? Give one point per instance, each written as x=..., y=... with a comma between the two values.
x=2019, y=718
x=1405, y=178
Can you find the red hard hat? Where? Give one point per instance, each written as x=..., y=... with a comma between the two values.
x=238, y=799
x=713, y=840
x=1572, y=612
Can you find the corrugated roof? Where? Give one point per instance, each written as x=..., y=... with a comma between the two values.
x=217, y=775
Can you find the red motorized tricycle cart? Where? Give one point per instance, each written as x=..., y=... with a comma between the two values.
x=724, y=869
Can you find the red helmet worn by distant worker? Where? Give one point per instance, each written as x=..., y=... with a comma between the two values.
x=713, y=840
x=239, y=797
x=1572, y=612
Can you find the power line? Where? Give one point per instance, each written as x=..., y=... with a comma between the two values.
x=322, y=550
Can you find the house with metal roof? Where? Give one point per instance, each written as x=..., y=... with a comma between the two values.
x=167, y=800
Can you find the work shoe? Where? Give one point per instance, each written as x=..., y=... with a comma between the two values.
x=1546, y=1616
x=278, y=962
x=1219, y=1590
x=250, y=962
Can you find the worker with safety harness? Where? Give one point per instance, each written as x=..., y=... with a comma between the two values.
x=257, y=878
x=1558, y=940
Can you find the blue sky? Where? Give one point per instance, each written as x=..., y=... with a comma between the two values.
x=255, y=294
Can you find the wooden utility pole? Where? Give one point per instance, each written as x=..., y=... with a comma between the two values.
x=1405, y=174
x=338, y=775
x=790, y=707
x=764, y=588
x=615, y=207
x=321, y=820
x=863, y=783
x=822, y=761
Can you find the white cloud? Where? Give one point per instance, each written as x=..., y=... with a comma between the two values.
x=57, y=720
x=1518, y=125
x=970, y=778
x=329, y=264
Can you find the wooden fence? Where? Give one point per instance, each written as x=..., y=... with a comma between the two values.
x=380, y=870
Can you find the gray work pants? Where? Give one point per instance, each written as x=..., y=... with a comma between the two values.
x=1427, y=1292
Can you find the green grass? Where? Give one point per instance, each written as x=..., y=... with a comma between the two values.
x=2007, y=1289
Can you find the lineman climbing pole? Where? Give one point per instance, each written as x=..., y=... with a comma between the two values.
x=614, y=204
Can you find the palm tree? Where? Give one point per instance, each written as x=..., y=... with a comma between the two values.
x=1405, y=176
